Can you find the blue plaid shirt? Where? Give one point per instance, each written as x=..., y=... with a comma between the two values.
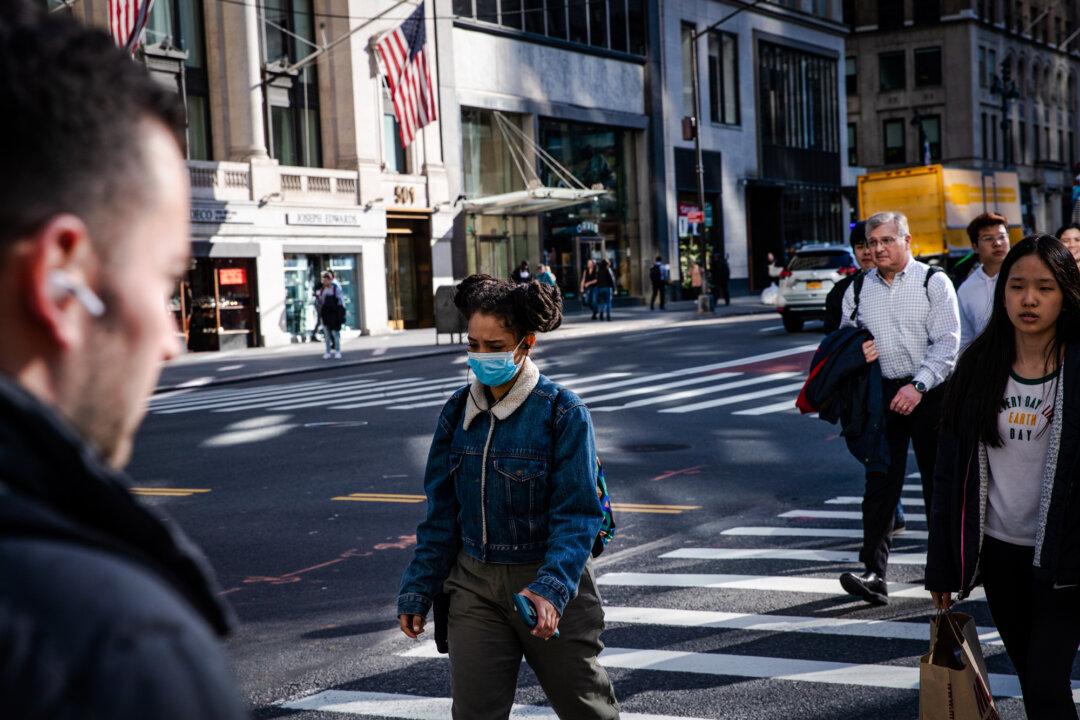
x=916, y=329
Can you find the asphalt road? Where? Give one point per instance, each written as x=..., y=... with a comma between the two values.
x=298, y=489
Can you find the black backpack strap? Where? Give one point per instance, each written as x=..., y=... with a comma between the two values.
x=930, y=272
x=856, y=285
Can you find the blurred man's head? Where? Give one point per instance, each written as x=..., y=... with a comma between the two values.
x=93, y=206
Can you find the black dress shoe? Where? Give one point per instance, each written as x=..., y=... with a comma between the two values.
x=868, y=586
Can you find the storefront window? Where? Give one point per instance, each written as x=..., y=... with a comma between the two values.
x=607, y=228
x=179, y=24
x=488, y=166
x=303, y=275
x=215, y=305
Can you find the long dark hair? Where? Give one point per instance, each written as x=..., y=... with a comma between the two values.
x=974, y=394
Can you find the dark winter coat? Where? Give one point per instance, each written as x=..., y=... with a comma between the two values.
x=106, y=610
x=843, y=387
x=834, y=303
x=958, y=512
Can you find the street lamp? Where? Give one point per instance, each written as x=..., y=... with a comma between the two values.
x=695, y=125
x=1004, y=86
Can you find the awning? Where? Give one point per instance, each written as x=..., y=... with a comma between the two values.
x=531, y=202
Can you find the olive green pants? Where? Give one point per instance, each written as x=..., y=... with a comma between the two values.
x=487, y=640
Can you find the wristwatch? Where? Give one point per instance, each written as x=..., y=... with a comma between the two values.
x=920, y=387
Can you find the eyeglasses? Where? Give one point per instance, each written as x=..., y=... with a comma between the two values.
x=885, y=242
x=994, y=239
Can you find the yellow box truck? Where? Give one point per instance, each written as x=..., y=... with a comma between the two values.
x=940, y=202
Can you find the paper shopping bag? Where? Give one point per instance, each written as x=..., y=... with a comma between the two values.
x=952, y=676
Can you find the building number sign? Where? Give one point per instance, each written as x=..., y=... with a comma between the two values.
x=404, y=195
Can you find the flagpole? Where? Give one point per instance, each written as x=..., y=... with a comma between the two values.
x=303, y=62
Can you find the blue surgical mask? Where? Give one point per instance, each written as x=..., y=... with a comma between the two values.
x=494, y=369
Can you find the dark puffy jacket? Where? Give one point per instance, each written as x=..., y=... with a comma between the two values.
x=958, y=506
x=106, y=610
x=843, y=387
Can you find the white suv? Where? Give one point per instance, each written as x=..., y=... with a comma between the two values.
x=807, y=280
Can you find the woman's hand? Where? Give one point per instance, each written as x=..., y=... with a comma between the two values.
x=411, y=625
x=942, y=600
x=547, y=618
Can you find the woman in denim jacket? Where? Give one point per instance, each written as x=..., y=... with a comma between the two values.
x=512, y=508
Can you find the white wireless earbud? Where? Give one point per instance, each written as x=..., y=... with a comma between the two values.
x=64, y=283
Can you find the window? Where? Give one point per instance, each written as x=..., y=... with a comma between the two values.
x=799, y=96
x=985, y=137
x=534, y=16
x=579, y=21
x=597, y=23
x=848, y=11
x=994, y=136
x=1059, y=156
x=895, y=150
x=852, y=145
x=556, y=20
x=891, y=71
x=992, y=66
x=511, y=14
x=687, y=71
x=180, y=23
x=394, y=155
x=295, y=127
x=982, y=66
x=890, y=15
x=851, y=76
x=931, y=137
x=1072, y=151
x=723, y=78
x=617, y=27
x=928, y=67
x=927, y=12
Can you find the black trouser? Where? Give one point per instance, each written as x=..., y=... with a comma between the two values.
x=720, y=290
x=882, y=493
x=657, y=292
x=1039, y=625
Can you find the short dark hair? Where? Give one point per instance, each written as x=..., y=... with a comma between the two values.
x=858, y=234
x=523, y=308
x=659, y=258
x=1066, y=226
x=981, y=222
x=72, y=104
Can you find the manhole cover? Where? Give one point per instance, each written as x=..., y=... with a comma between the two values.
x=654, y=447
x=339, y=424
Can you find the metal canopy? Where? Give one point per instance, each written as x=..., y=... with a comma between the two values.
x=531, y=202
x=538, y=198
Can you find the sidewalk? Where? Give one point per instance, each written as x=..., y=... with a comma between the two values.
x=220, y=368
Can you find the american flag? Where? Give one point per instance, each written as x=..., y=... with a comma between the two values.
x=404, y=65
x=127, y=18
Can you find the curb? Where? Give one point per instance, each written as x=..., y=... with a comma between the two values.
x=448, y=350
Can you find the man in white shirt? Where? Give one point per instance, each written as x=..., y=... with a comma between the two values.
x=910, y=310
x=989, y=235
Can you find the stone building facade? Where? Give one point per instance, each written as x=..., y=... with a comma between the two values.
x=929, y=81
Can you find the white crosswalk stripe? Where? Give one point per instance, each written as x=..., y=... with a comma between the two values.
x=812, y=532
x=853, y=500
x=827, y=556
x=841, y=515
x=670, y=391
x=785, y=406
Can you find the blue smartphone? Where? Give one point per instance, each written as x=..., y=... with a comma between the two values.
x=527, y=611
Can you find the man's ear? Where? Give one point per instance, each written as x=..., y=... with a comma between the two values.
x=60, y=245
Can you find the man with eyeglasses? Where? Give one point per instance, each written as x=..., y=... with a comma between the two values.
x=911, y=311
x=989, y=236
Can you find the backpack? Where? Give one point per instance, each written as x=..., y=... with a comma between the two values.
x=333, y=310
x=656, y=275
x=861, y=277
x=607, y=526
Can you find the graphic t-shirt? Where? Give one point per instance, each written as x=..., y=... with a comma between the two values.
x=1016, y=468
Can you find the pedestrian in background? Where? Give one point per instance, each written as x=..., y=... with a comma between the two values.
x=911, y=311
x=605, y=290
x=106, y=609
x=588, y=286
x=521, y=274
x=989, y=236
x=1006, y=511
x=659, y=284
x=775, y=267
x=546, y=277
x=1069, y=235
x=697, y=280
x=721, y=277
x=512, y=508
x=330, y=302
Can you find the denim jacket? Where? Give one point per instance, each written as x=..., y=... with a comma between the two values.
x=511, y=484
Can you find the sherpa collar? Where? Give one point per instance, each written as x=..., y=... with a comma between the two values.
x=477, y=401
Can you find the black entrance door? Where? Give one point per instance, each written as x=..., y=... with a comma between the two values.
x=764, y=234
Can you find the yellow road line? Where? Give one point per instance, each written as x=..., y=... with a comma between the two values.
x=398, y=499
x=644, y=506
x=388, y=495
x=168, y=492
